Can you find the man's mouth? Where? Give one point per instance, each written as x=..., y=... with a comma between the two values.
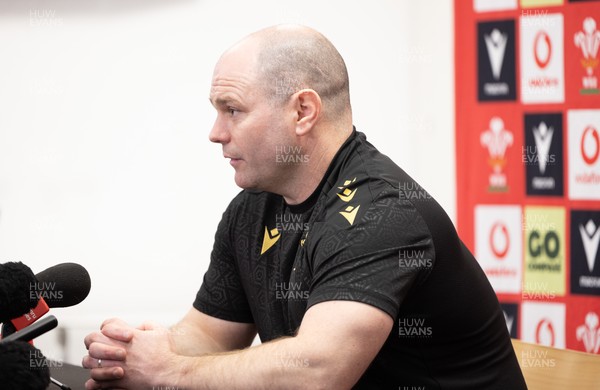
x=233, y=160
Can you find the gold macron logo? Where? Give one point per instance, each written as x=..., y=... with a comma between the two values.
x=269, y=239
x=350, y=213
x=347, y=194
x=304, y=237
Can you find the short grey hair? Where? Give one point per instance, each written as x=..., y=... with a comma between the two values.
x=297, y=58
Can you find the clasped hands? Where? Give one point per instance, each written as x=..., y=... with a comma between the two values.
x=123, y=357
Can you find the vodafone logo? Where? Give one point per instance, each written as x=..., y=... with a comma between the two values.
x=544, y=333
x=499, y=245
x=499, y=240
x=542, y=49
x=590, y=145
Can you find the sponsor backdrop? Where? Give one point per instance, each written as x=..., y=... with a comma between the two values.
x=528, y=161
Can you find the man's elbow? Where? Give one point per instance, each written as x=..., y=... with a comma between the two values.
x=334, y=373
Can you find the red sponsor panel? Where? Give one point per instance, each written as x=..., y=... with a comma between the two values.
x=582, y=55
x=496, y=146
x=583, y=324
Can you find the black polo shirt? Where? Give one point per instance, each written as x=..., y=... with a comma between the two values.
x=369, y=233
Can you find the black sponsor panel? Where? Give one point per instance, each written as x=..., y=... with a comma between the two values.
x=585, y=252
x=496, y=60
x=543, y=154
x=511, y=316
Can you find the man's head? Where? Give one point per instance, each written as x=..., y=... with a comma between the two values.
x=292, y=58
x=281, y=88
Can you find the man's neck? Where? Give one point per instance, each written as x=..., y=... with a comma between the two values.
x=307, y=177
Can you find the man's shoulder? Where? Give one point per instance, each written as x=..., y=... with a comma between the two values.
x=386, y=179
x=366, y=173
x=365, y=190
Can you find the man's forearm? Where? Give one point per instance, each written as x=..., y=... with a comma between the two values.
x=281, y=364
x=190, y=341
x=199, y=334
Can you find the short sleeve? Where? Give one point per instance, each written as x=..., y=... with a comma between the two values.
x=221, y=294
x=377, y=260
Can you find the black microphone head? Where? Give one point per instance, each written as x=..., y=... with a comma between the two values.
x=17, y=290
x=23, y=367
x=64, y=284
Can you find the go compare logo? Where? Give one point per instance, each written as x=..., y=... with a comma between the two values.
x=544, y=250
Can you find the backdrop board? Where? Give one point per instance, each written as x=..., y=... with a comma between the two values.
x=528, y=161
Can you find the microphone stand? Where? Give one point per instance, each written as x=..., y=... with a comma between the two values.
x=61, y=385
x=34, y=330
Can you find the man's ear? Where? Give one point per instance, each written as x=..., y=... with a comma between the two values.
x=308, y=106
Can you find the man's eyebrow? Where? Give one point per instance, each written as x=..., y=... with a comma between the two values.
x=223, y=101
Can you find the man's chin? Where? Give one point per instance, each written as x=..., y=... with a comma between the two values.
x=245, y=183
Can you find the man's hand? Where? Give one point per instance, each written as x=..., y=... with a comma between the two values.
x=105, y=354
x=129, y=358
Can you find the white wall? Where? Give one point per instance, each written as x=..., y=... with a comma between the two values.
x=104, y=117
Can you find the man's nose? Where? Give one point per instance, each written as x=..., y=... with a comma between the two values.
x=219, y=132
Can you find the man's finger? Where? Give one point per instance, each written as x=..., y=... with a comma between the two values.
x=98, y=337
x=118, y=332
x=115, y=321
x=93, y=385
x=91, y=362
x=107, y=374
x=108, y=352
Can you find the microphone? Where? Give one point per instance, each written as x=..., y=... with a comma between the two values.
x=62, y=285
x=23, y=367
x=34, y=330
x=16, y=280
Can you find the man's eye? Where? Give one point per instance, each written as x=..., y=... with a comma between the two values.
x=232, y=111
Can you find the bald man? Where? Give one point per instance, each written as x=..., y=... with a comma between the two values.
x=350, y=273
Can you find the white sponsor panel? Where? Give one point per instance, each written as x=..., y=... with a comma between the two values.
x=543, y=323
x=542, y=58
x=499, y=246
x=493, y=5
x=583, y=128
